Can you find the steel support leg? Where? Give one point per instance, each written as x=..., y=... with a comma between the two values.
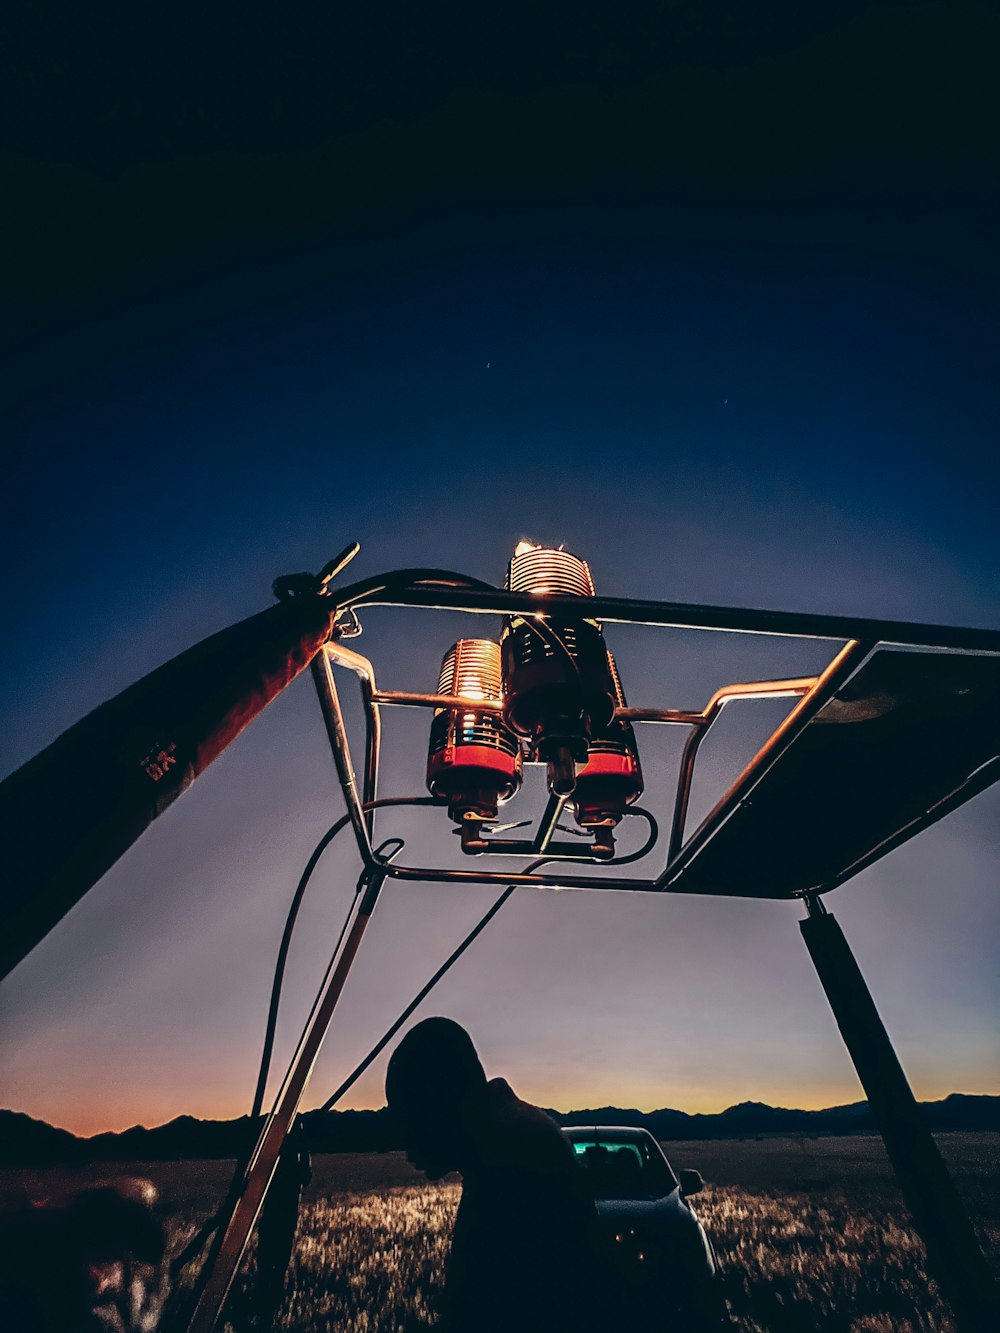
x=954, y=1255
x=235, y=1232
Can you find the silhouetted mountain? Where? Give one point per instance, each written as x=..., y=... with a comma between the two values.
x=24, y=1141
x=184, y=1137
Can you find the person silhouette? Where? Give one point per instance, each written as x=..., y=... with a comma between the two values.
x=525, y=1249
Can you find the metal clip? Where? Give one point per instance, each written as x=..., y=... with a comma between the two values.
x=347, y=626
x=289, y=586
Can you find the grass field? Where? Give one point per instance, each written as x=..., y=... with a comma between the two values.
x=812, y=1234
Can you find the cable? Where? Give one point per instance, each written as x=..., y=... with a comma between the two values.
x=421, y=995
x=647, y=846
x=552, y=639
x=424, y=991
x=279, y=969
x=356, y=594
x=194, y=1246
x=286, y=938
x=453, y=958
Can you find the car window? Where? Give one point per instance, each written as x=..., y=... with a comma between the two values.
x=630, y=1169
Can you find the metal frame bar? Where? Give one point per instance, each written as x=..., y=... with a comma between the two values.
x=787, y=689
x=866, y=633
x=861, y=637
x=244, y=1210
x=674, y=615
x=846, y=662
x=814, y=692
x=700, y=722
x=373, y=716
x=951, y=1243
x=939, y=1213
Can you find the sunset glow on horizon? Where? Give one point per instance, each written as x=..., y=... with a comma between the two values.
x=128, y=1111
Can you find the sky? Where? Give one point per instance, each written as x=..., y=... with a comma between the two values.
x=710, y=298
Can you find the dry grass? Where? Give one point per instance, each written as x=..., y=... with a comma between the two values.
x=374, y=1263
x=812, y=1237
x=801, y=1262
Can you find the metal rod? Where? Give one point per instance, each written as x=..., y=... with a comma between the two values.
x=364, y=669
x=671, y=717
x=763, y=689
x=554, y=851
x=939, y=1214
x=260, y=1170
x=547, y=824
x=338, y=564
x=678, y=615
x=417, y=1000
x=373, y=751
x=333, y=717
x=436, y=875
x=685, y=781
x=336, y=731
x=822, y=689
x=414, y=699
x=758, y=689
x=420, y=996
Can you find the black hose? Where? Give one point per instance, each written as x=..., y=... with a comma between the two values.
x=452, y=958
x=420, y=996
x=196, y=1243
x=356, y=594
x=647, y=846
x=286, y=938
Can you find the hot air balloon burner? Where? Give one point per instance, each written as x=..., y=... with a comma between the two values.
x=473, y=758
x=611, y=779
x=557, y=686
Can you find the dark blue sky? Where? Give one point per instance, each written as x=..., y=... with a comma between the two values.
x=718, y=310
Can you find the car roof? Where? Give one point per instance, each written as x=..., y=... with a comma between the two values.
x=610, y=1133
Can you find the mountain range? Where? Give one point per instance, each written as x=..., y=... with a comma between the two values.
x=28, y=1142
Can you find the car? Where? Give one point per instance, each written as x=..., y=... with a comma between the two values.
x=662, y=1262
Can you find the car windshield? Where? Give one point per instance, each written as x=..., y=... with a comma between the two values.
x=624, y=1169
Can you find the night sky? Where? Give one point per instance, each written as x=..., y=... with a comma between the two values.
x=707, y=293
